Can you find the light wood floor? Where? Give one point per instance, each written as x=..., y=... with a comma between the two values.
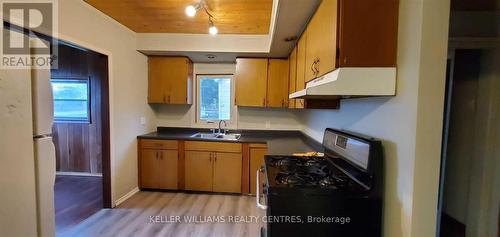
x=132, y=218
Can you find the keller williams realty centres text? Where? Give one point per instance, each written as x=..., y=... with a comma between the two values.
x=249, y=219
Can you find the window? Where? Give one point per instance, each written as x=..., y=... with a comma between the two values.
x=71, y=100
x=214, y=98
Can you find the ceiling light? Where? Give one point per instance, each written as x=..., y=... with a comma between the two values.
x=191, y=10
x=211, y=28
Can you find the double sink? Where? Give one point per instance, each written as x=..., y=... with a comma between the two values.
x=218, y=136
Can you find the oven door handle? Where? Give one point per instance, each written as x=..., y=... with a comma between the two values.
x=257, y=191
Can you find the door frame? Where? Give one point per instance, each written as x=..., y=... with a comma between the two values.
x=105, y=108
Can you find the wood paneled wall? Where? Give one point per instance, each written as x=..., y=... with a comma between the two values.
x=79, y=145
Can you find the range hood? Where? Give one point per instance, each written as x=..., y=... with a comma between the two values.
x=351, y=82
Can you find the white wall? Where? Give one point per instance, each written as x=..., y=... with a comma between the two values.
x=409, y=124
x=247, y=118
x=17, y=166
x=83, y=25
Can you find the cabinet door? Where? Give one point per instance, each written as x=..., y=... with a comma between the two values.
x=167, y=169
x=169, y=79
x=180, y=77
x=321, y=42
x=251, y=81
x=277, y=83
x=227, y=172
x=301, y=64
x=157, y=77
x=149, y=168
x=198, y=170
x=256, y=161
x=292, y=66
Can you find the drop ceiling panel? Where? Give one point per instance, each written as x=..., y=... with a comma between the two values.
x=168, y=16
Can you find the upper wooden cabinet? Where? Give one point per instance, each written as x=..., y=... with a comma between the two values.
x=170, y=80
x=351, y=33
x=261, y=82
x=321, y=40
x=292, y=72
x=300, y=81
x=251, y=81
x=277, y=83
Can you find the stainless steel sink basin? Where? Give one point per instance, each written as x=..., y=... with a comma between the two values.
x=218, y=136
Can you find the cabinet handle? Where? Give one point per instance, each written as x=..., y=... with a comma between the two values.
x=316, y=66
x=210, y=157
x=156, y=155
x=168, y=99
x=264, y=102
x=215, y=157
x=164, y=99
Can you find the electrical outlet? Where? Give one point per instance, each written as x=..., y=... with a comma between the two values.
x=143, y=120
x=268, y=124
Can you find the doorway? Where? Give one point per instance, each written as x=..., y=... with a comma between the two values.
x=469, y=191
x=80, y=135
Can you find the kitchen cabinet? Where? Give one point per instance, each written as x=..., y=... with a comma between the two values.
x=350, y=33
x=198, y=170
x=158, y=167
x=261, y=82
x=277, y=83
x=213, y=166
x=292, y=62
x=301, y=63
x=321, y=41
x=170, y=80
x=257, y=153
x=227, y=172
x=251, y=81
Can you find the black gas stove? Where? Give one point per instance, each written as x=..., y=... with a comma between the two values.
x=307, y=172
x=339, y=194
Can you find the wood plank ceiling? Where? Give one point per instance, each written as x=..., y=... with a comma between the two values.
x=168, y=16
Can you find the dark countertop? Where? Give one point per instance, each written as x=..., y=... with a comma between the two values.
x=278, y=142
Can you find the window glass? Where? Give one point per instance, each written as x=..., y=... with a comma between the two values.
x=215, y=98
x=71, y=100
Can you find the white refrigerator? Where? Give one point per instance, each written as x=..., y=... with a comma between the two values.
x=44, y=150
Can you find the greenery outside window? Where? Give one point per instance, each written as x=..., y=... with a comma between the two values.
x=71, y=100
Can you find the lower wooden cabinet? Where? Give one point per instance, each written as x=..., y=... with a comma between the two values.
x=159, y=169
x=257, y=153
x=213, y=171
x=227, y=172
x=198, y=170
x=199, y=165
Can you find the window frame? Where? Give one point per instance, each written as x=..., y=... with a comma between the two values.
x=88, y=120
x=231, y=123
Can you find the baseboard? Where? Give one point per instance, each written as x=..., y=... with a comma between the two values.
x=78, y=174
x=126, y=196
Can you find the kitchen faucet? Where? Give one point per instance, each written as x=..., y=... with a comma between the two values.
x=222, y=131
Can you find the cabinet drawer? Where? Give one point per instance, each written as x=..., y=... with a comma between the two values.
x=213, y=146
x=159, y=144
